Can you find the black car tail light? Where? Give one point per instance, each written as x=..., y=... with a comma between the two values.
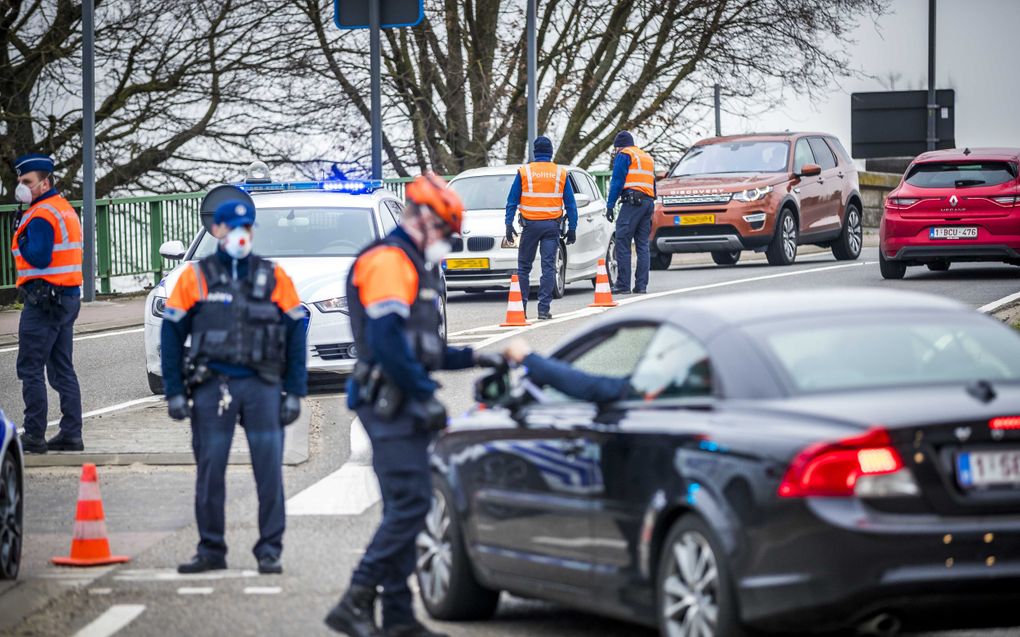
x=866, y=466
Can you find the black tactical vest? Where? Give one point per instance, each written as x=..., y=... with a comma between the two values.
x=423, y=326
x=236, y=321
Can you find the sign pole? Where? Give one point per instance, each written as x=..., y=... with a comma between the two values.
x=532, y=81
x=932, y=106
x=718, y=111
x=374, y=50
x=88, y=204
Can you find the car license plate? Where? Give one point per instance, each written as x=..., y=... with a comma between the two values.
x=953, y=232
x=467, y=264
x=693, y=220
x=988, y=468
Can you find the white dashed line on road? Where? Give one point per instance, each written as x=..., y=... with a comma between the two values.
x=195, y=590
x=262, y=590
x=113, y=620
x=171, y=575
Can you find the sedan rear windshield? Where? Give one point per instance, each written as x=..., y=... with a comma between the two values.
x=305, y=232
x=484, y=193
x=733, y=157
x=854, y=353
x=960, y=175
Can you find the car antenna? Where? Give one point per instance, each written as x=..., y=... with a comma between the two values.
x=982, y=390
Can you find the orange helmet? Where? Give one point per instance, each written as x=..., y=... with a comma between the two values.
x=430, y=190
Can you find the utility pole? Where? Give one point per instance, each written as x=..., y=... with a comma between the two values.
x=88, y=150
x=532, y=81
x=932, y=106
x=718, y=111
x=374, y=22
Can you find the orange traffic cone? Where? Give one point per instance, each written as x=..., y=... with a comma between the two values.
x=603, y=291
x=89, y=546
x=515, y=306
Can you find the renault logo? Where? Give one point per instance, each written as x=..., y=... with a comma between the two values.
x=953, y=200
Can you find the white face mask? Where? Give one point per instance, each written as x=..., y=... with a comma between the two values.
x=23, y=193
x=237, y=243
x=436, y=252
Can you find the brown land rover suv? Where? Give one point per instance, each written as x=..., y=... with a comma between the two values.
x=767, y=192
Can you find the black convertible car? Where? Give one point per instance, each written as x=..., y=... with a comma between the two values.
x=787, y=462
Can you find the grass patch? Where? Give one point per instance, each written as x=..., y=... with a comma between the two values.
x=18, y=306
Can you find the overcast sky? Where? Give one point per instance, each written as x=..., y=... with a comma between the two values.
x=977, y=52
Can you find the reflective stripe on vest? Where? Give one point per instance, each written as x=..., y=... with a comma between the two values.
x=542, y=185
x=65, y=268
x=641, y=173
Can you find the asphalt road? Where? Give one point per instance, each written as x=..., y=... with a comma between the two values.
x=149, y=508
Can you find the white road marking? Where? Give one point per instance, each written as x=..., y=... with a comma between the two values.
x=115, y=618
x=105, y=410
x=195, y=590
x=262, y=590
x=87, y=337
x=100, y=591
x=171, y=575
x=350, y=490
x=994, y=305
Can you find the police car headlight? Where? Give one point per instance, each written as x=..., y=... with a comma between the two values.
x=336, y=304
x=158, y=306
x=754, y=194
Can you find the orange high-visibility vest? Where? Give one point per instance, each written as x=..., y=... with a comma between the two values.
x=65, y=267
x=641, y=174
x=542, y=184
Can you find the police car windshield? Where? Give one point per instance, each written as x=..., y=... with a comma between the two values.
x=484, y=193
x=305, y=232
x=733, y=157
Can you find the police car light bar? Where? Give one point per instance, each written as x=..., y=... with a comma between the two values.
x=350, y=186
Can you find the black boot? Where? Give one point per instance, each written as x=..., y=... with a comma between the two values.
x=60, y=442
x=355, y=614
x=412, y=630
x=201, y=564
x=31, y=444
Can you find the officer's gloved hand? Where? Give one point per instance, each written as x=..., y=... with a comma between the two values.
x=290, y=409
x=610, y=215
x=430, y=413
x=511, y=234
x=571, y=236
x=177, y=407
x=495, y=361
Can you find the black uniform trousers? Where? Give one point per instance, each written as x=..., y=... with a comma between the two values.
x=400, y=460
x=257, y=404
x=542, y=237
x=634, y=224
x=45, y=344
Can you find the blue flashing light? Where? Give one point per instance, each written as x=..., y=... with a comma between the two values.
x=692, y=490
x=709, y=445
x=349, y=186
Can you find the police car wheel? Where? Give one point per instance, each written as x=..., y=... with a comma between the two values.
x=155, y=383
x=11, y=516
x=449, y=588
x=560, y=286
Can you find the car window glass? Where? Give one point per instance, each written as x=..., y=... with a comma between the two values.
x=305, y=232
x=960, y=175
x=488, y=192
x=594, y=187
x=674, y=365
x=386, y=214
x=802, y=155
x=823, y=154
x=733, y=157
x=842, y=156
x=581, y=185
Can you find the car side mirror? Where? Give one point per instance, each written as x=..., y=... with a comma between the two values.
x=173, y=250
x=581, y=200
x=810, y=170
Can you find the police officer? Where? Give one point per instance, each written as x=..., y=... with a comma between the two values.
x=633, y=183
x=540, y=191
x=47, y=250
x=247, y=361
x=394, y=293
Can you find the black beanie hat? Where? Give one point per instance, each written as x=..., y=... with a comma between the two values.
x=623, y=140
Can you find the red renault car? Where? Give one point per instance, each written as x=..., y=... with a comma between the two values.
x=953, y=205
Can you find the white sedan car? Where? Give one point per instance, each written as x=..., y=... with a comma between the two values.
x=315, y=235
x=478, y=261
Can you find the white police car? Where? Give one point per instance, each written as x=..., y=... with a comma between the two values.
x=12, y=480
x=314, y=230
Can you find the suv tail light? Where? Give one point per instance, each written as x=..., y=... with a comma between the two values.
x=866, y=466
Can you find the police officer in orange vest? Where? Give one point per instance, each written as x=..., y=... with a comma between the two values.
x=394, y=293
x=633, y=183
x=47, y=250
x=246, y=363
x=540, y=192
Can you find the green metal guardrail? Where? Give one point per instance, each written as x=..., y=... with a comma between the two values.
x=129, y=231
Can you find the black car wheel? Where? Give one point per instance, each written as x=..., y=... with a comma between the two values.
x=155, y=383
x=560, y=286
x=661, y=260
x=448, y=585
x=939, y=266
x=782, y=249
x=726, y=258
x=612, y=267
x=11, y=513
x=695, y=587
x=848, y=246
x=890, y=269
